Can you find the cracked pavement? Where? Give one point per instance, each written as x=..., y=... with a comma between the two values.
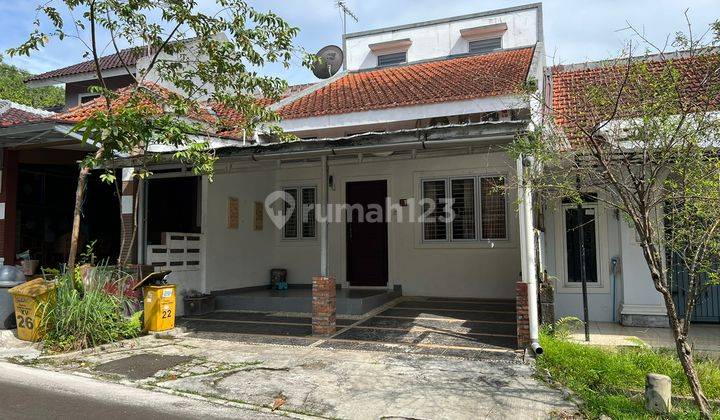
x=304, y=382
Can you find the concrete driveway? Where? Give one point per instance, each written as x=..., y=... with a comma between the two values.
x=414, y=359
x=315, y=382
x=466, y=328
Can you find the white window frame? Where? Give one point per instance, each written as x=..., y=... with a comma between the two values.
x=384, y=54
x=477, y=210
x=85, y=95
x=601, y=250
x=498, y=36
x=298, y=220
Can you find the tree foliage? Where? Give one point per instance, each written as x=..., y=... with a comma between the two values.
x=13, y=88
x=646, y=139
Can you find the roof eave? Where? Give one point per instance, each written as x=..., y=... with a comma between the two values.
x=78, y=77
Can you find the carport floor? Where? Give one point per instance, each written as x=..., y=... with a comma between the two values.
x=439, y=326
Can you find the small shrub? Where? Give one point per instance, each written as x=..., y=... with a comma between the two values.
x=78, y=318
x=563, y=327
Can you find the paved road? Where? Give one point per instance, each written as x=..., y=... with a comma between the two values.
x=28, y=393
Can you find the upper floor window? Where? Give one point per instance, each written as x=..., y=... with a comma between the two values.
x=84, y=98
x=392, y=59
x=485, y=45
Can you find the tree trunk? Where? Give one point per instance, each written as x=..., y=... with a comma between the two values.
x=684, y=353
x=79, y=196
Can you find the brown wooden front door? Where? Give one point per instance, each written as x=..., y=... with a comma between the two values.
x=367, y=236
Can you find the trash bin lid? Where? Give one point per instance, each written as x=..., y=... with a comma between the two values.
x=10, y=276
x=9, y=284
x=33, y=288
x=151, y=279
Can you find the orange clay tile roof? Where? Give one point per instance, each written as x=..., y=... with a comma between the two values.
x=573, y=106
x=81, y=112
x=454, y=79
x=14, y=114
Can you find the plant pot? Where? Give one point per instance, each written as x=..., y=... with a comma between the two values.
x=199, y=305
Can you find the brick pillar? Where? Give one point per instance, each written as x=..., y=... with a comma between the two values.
x=523, y=319
x=127, y=211
x=8, y=203
x=324, y=305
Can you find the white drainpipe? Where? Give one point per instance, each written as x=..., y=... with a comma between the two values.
x=324, y=192
x=527, y=247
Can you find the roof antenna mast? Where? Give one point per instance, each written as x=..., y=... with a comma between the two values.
x=345, y=10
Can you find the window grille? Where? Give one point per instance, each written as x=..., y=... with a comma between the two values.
x=463, y=206
x=493, y=208
x=392, y=59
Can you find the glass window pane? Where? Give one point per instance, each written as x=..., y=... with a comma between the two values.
x=290, y=230
x=308, y=212
x=572, y=245
x=434, y=226
x=492, y=205
x=485, y=45
x=463, y=206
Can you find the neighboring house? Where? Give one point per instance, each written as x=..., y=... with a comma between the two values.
x=619, y=285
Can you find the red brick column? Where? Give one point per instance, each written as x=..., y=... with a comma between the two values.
x=324, y=305
x=523, y=320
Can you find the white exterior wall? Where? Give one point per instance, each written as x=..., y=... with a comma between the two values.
x=640, y=296
x=443, y=39
x=243, y=257
x=239, y=257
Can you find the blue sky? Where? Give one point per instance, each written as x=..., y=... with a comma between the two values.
x=574, y=30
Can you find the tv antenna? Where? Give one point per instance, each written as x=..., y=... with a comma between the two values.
x=345, y=10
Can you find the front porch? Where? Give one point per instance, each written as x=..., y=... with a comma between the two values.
x=468, y=328
x=298, y=298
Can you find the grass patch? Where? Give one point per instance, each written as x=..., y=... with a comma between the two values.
x=604, y=378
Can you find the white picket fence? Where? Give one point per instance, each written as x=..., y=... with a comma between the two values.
x=180, y=253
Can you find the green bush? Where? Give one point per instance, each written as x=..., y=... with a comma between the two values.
x=78, y=318
x=608, y=379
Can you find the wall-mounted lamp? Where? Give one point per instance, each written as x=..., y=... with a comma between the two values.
x=331, y=182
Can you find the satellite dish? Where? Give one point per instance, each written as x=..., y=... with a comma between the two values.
x=330, y=61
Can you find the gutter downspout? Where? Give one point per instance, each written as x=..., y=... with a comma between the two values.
x=527, y=247
x=324, y=217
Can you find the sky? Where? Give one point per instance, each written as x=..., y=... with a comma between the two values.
x=575, y=31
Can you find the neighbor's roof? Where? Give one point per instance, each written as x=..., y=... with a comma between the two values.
x=573, y=105
x=452, y=79
x=12, y=113
x=129, y=55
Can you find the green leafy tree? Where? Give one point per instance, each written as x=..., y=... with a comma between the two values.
x=206, y=57
x=646, y=141
x=13, y=88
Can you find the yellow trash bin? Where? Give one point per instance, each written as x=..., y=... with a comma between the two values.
x=28, y=298
x=159, y=307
